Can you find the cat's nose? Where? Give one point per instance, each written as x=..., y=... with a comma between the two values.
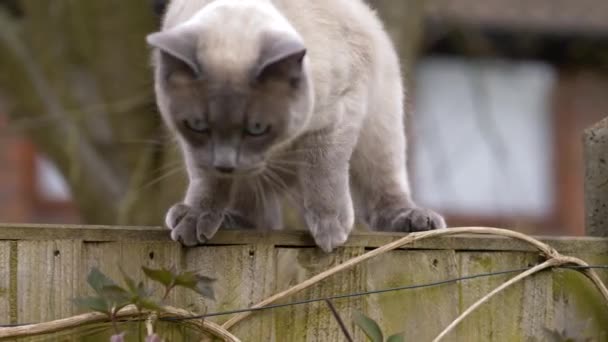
x=225, y=169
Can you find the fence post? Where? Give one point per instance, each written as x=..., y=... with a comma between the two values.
x=596, y=179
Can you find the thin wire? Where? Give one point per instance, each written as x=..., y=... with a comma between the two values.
x=351, y=295
x=598, y=267
x=359, y=294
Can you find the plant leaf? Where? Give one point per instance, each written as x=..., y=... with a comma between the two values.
x=115, y=294
x=97, y=280
x=98, y=304
x=198, y=283
x=369, y=327
x=396, y=338
x=148, y=304
x=163, y=276
x=186, y=279
x=128, y=281
x=204, y=287
x=142, y=291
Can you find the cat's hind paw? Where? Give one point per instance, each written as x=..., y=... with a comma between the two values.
x=415, y=220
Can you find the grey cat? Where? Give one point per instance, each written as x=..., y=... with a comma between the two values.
x=284, y=98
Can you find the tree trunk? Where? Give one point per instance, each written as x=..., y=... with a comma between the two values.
x=74, y=71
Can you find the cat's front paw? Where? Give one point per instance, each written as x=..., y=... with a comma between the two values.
x=191, y=226
x=416, y=220
x=329, y=232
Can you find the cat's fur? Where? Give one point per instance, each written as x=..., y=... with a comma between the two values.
x=324, y=76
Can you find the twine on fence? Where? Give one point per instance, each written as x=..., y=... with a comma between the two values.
x=554, y=258
x=129, y=312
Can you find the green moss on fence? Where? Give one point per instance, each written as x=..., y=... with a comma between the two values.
x=48, y=266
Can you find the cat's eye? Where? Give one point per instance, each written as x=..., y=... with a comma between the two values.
x=197, y=125
x=257, y=129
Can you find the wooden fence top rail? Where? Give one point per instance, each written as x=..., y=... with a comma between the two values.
x=14, y=232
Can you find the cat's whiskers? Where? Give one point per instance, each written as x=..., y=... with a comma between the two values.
x=168, y=166
x=267, y=180
x=255, y=189
x=260, y=191
x=292, y=163
x=171, y=172
x=282, y=168
x=313, y=149
x=282, y=187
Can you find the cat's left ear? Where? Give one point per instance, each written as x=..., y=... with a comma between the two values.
x=177, y=44
x=281, y=58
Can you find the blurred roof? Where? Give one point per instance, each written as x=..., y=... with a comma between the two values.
x=585, y=16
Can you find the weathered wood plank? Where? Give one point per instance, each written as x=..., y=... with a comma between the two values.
x=537, y=310
x=109, y=257
x=131, y=256
x=47, y=279
x=48, y=273
x=580, y=310
x=245, y=276
x=5, y=284
x=420, y=314
x=314, y=322
x=520, y=313
x=292, y=238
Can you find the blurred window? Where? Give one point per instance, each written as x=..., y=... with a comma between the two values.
x=481, y=137
x=50, y=184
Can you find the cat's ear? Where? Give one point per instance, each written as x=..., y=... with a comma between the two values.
x=177, y=47
x=281, y=58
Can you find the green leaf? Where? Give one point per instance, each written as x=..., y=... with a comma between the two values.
x=148, y=304
x=198, y=283
x=186, y=279
x=162, y=276
x=369, y=327
x=204, y=287
x=128, y=281
x=94, y=303
x=142, y=291
x=115, y=294
x=98, y=280
x=396, y=338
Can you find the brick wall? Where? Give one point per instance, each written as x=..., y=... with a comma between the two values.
x=14, y=150
x=579, y=102
x=19, y=199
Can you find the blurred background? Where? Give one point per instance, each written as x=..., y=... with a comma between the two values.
x=499, y=93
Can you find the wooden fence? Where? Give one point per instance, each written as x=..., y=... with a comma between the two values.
x=43, y=267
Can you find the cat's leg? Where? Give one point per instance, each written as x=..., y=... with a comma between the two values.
x=323, y=183
x=383, y=196
x=256, y=205
x=200, y=216
x=379, y=174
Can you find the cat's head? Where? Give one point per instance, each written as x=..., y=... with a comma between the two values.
x=233, y=92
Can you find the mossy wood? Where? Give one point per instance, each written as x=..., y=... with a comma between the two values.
x=43, y=267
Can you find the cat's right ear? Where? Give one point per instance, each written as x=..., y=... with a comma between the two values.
x=178, y=52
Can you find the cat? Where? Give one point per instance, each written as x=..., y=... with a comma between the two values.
x=273, y=99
